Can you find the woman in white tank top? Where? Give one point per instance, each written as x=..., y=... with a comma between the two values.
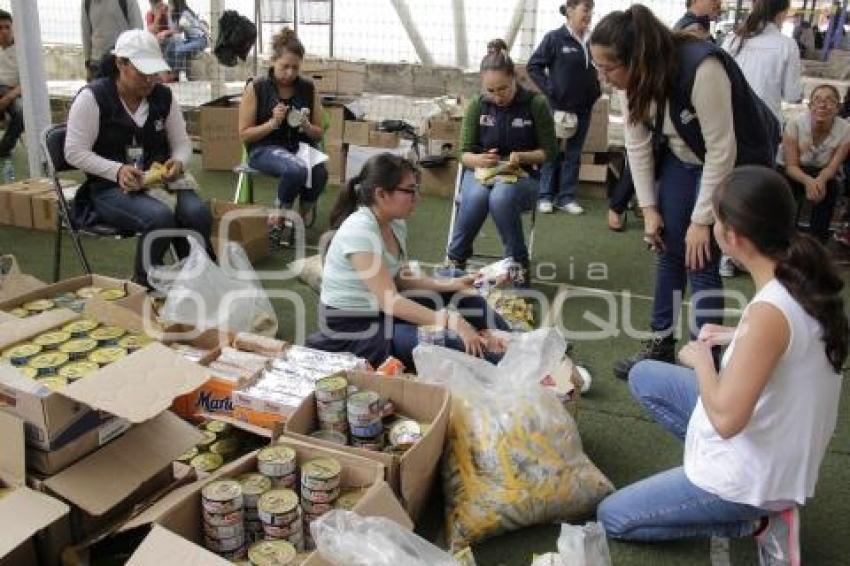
x=756, y=432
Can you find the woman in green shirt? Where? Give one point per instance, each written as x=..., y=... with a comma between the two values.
x=507, y=128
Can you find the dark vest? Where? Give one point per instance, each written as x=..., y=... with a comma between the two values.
x=117, y=129
x=507, y=128
x=757, y=131
x=267, y=98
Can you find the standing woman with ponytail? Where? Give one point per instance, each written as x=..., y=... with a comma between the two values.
x=755, y=432
x=371, y=303
x=689, y=117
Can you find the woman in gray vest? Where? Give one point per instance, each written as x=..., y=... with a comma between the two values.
x=506, y=134
x=635, y=52
x=280, y=113
x=118, y=126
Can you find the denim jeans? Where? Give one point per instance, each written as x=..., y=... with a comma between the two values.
x=506, y=202
x=15, y=126
x=139, y=212
x=667, y=505
x=678, y=187
x=291, y=172
x=565, y=166
x=820, y=216
x=178, y=52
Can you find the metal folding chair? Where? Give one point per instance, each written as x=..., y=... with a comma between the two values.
x=53, y=145
x=456, y=206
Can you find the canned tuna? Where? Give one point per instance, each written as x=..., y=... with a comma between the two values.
x=276, y=461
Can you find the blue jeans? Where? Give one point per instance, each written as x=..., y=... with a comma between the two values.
x=565, y=166
x=140, y=212
x=678, y=186
x=178, y=52
x=15, y=126
x=291, y=172
x=667, y=505
x=506, y=202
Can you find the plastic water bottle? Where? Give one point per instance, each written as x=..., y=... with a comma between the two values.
x=8, y=172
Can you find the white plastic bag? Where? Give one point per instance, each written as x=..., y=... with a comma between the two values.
x=205, y=295
x=584, y=545
x=347, y=539
x=514, y=457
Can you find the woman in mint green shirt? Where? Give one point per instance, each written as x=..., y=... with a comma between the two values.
x=371, y=303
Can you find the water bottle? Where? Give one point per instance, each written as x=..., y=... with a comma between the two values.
x=8, y=172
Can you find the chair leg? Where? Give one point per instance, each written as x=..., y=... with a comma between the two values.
x=244, y=189
x=57, y=251
x=81, y=253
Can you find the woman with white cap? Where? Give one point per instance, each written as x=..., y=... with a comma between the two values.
x=117, y=127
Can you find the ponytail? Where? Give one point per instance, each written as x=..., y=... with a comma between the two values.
x=808, y=273
x=385, y=171
x=757, y=203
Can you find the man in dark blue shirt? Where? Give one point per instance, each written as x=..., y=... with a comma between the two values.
x=699, y=16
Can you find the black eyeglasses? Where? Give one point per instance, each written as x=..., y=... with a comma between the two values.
x=411, y=190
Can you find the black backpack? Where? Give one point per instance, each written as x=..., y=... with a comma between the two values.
x=237, y=35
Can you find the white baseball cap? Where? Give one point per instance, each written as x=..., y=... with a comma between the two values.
x=142, y=49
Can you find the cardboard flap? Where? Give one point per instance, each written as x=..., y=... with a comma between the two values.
x=108, y=312
x=140, y=453
x=32, y=325
x=382, y=502
x=23, y=513
x=13, y=453
x=14, y=285
x=162, y=547
x=140, y=386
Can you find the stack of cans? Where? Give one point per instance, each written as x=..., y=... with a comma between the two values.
x=364, y=420
x=253, y=486
x=222, y=502
x=331, y=393
x=320, y=479
x=278, y=463
x=281, y=518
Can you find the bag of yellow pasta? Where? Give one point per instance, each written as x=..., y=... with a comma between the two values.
x=513, y=456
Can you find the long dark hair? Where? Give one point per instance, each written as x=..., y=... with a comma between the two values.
x=756, y=202
x=178, y=7
x=647, y=49
x=384, y=170
x=763, y=13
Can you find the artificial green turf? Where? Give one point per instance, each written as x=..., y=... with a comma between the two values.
x=617, y=435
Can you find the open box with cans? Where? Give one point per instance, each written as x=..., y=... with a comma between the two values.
x=135, y=386
x=221, y=512
x=72, y=294
x=409, y=446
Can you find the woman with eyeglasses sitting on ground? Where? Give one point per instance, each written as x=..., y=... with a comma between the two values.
x=372, y=304
x=506, y=135
x=118, y=127
x=757, y=430
x=814, y=147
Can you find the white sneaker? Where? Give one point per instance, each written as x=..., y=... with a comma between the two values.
x=779, y=543
x=727, y=267
x=544, y=207
x=571, y=208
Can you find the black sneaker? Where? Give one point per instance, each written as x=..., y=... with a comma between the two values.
x=276, y=237
x=661, y=348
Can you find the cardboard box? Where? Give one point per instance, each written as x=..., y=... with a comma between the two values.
x=72, y=285
x=439, y=181
x=357, y=132
x=45, y=211
x=339, y=77
x=20, y=203
x=49, y=462
x=597, y=135
x=221, y=148
x=136, y=468
x=136, y=388
x=587, y=158
x=14, y=283
x=5, y=207
x=24, y=512
x=445, y=129
x=337, y=156
x=590, y=173
x=412, y=474
x=184, y=517
x=244, y=224
x=389, y=140
x=351, y=77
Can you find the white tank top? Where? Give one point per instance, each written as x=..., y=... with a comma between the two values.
x=775, y=459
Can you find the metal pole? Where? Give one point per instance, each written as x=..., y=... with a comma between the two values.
x=412, y=32
x=30, y=53
x=515, y=24
x=331, y=32
x=461, y=48
x=217, y=80
x=258, y=45
x=528, y=30
x=738, y=8
x=295, y=16
x=812, y=14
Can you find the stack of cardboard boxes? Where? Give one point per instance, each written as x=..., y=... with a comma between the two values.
x=32, y=203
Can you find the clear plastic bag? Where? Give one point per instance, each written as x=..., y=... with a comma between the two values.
x=514, y=456
x=204, y=295
x=584, y=545
x=347, y=539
